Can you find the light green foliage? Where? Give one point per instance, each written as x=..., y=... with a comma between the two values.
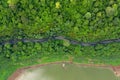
x=37, y=46
x=76, y=29
x=116, y=21
x=109, y=11
x=88, y=15
x=115, y=7
x=12, y=2
x=77, y=51
x=99, y=14
x=112, y=11
x=66, y=43
x=7, y=45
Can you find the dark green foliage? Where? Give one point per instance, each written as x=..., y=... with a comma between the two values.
x=84, y=20
x=19, y=17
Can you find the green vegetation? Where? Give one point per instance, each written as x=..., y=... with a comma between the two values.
x=82, y=20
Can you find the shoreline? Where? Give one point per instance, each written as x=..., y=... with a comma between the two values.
x=18, y=72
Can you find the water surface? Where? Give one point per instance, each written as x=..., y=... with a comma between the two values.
x=69, y=72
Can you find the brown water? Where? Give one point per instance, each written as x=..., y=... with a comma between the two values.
x=69, y=72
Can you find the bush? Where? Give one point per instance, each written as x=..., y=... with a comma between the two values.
x=85, y=21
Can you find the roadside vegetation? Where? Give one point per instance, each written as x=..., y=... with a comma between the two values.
x=81, y=20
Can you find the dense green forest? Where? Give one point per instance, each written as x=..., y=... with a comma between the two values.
x=81, y=20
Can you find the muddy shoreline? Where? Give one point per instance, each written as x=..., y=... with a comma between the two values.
x=18, y=72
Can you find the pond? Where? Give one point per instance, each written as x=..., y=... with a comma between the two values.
x=67, y=71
